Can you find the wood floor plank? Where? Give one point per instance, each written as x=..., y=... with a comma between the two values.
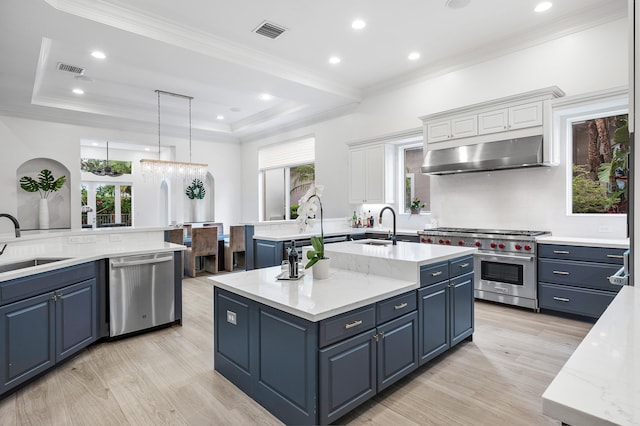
x=167, y=377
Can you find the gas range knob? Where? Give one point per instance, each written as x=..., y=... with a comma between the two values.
x=447, y=242
x=478, y=243
x=429, y=240
x=501, y=245
x=493, y=245
x=422, y=240
x=518, y=246
x=460, y=243
x=527, y=248
x=441, y=241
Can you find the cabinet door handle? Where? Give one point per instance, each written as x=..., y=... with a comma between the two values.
x=615, y=256
x=382, y=334
x=464, y=265
x=562, y=252
x=435, y=274
x=560, y=272
x=375, y=337
x=561, y=299
x=400, y=306
x=54, y=297
x=353, y=324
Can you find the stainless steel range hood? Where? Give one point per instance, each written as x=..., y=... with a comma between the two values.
x=504, y=154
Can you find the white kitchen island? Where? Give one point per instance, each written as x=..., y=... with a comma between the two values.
x=599, y=384
x=311, y=350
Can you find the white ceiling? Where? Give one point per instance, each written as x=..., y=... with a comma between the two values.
x=207, y=49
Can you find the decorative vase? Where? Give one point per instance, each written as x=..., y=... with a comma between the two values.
x=416, y=211
x=321, y=269
x=199, y=207
x=43, y=214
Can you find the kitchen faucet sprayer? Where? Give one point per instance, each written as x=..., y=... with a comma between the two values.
x=15, y=222
x=394, y=237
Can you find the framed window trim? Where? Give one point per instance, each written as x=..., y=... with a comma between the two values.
x=403, y=175
x=287, y=191
x=569, y=110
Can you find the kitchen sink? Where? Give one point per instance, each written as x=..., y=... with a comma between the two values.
x=29, y=263
x=373, y=242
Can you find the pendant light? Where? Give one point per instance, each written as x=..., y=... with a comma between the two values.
x=162, y=169
x=106, y=170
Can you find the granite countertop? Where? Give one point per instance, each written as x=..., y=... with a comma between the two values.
x=312, y=299
x=581, y=241
x=600, y=383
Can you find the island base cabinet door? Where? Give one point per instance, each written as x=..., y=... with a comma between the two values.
x=76, y=318
x=461, y=307
x=397, y=349
x=347, y=375
x=27, y=345
x=433, y=306
x=286, y=369
x=232, y=338
x=267, y=253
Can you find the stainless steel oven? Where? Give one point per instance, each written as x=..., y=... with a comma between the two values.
x=505, y=265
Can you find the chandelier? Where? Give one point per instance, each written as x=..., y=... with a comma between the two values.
x=164, y=169
x=106, y=170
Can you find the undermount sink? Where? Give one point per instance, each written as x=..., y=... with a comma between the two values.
x=29, y=263
x=373, y=242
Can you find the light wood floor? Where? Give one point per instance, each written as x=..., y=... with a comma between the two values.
x=167, y=377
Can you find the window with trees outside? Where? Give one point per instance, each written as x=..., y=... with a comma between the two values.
x=416, y=185
x=600, y=148
x=112, y=204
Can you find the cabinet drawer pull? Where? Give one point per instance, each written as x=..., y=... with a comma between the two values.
x=562, y=252
x=435, y=274
x=400, y=306
x=353, y=324
x=615, y=256
x=561, y=299
x=560, y=272
x=464, y=265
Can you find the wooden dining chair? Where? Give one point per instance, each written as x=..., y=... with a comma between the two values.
x=234, y=245
x=204, y=243
x=218, y=225
x=187, y=229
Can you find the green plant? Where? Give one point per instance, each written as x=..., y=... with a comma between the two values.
x=317, y=253
x=293, y=211
x=45, y=185
x=588, y=195
x=195, y=190
x=416, y=204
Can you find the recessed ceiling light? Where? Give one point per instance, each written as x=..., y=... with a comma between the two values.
x=147, y=149
x=94, y=143
x=98, y=55
x=220, y=117
x=334, y=60
x=543, y=7
x=358, y=24
x=457, y=4
x=413, y=56
x=78, y=91
x=265, y=97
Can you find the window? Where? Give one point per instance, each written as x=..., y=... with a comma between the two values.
x=416, y=184
x=110, y=204
x=600, y=148
x=287, y=170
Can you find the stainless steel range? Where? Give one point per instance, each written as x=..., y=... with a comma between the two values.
x=505, y=265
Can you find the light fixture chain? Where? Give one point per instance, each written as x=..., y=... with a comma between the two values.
x=158, y=92
x=190, y=129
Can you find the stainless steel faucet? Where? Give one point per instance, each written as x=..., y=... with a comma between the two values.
x=15, y=222
x=394, y=236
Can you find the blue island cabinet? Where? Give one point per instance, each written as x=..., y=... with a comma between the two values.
x=43, y=322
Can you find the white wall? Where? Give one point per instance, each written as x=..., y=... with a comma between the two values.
x=532, y=199
x=21, y=140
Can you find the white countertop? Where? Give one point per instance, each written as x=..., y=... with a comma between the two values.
x=313, y=300
x=418, y=254
x=288, y=235
x=28, y=235
x=81, y=247
x=600, y=383
x=588, y=242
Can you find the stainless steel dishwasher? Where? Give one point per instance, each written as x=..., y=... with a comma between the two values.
x=141, y=292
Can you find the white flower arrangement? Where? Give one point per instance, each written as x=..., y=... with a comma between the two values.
x=306, y=215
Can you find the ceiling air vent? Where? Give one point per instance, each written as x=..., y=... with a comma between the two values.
x=270, y=30
x=70, y=68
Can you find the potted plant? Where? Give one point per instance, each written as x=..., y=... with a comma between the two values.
x=416, y=206
x=196, y=192
x=45, y=185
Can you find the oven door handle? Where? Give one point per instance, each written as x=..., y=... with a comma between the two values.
x=505, y=256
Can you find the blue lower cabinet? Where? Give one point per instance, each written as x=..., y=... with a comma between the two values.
x=433, y=306
x=397, y=344
x=45, y=329
x=286, y=369
x=267, y=253
x=462, y=320
x=27, y=341
x=347, y=375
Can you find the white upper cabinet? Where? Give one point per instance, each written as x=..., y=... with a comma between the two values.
x=371, y=174
x=456, y=127
x=512, y=118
